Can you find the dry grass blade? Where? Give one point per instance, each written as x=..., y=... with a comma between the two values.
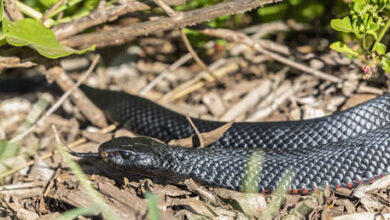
x=196, y=57
x=162, y=75
x=221, y=68
x=242, y=38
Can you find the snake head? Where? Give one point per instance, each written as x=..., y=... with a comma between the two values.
x=131, y=153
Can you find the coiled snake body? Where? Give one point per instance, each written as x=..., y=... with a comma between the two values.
x=343, y=149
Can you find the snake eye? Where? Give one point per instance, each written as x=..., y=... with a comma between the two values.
x=125, y=154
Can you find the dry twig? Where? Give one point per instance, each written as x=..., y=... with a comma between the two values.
x=123, y=34
x=201, y=142
x=52, y=9
x=196, y=57
x=162, y=75
x=57, y=104
x=90, y=111
x=242, y=38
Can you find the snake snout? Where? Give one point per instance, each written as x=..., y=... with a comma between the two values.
x=129, y=152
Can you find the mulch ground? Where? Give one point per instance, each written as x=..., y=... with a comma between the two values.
x=251, y=87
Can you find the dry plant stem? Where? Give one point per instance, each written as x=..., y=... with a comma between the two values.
x=22, y=186
x=368, y=89
x=221, y=68
x=201, y=142
x=164, y=74
x=196, y=57
x=57, y=104
x=103, y=15
x=125, y=33
x=176, y=16
x=249, y=101
x=51, y=182
x=91, y=112
x=261, y=30
x=278, y=97
x=48, y=155
x=242, y=38
x=13, y=62
x=97, y=17
x=172, y=13
x=52, y=9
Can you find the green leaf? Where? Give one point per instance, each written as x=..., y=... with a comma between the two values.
x=343, y=25
x=343, y=48
x=358, y=27
x=386, y=64
x=7, y=150
x=1, y=10
x=152, y=206
x=48, y=3
x=380, y=48
x=1, y=18
x=372, y=28
x=29, y=32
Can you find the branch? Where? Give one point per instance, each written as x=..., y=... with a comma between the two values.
x=122, y=34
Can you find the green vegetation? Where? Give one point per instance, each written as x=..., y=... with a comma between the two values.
x=299, y=10
x=367, y=22
x=32, y=33
x=152, y=206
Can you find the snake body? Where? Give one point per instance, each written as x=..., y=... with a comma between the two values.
x=344, y=149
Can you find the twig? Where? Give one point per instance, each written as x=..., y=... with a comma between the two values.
x=126, y=33
x=242, y=38
x=33, y=13
x=164, y=74
x=249, y=101
x=172, y=13
x=51, y=182
x=58, y=103
x=22, y=186
x=52, y=9
x=177, y=15
x=97, y=17
x=196, y=57
x=14, y=62
x=201, y=142
x=48, y=155
x=85, y=105
x=221, y=68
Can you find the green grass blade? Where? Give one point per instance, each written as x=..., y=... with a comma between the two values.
x=152, y=206
x=74, y=213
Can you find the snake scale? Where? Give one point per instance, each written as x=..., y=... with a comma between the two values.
x=341, y=150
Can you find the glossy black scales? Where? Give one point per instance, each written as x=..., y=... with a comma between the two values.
x=340, y=149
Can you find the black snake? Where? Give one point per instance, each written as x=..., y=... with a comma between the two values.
x=344, y=149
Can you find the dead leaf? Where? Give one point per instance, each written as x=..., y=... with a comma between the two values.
x=252, y=204
x=208, y=137
x=197, y=207
x=201, y=191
